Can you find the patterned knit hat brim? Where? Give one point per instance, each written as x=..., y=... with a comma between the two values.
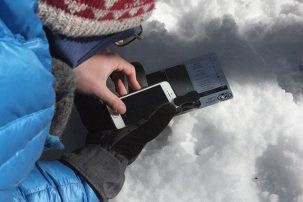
x=85, y=18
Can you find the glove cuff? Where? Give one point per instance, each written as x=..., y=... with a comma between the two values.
x=103, y=170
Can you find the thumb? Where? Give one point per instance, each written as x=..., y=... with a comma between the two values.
x=111, y=100
x=157, y=121
x=161, y=117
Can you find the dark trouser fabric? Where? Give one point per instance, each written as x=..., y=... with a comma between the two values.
x=102, y=169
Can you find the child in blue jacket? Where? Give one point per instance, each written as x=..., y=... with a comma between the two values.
x=34, y=108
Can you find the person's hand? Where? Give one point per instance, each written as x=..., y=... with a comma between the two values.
x=92, y=74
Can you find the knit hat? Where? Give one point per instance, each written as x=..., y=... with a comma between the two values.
x=84, y=18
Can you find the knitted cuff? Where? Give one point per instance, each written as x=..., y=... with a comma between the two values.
x=65, y=86
x=85, y=18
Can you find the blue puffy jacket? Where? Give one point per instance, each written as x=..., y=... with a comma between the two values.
x=26, y=109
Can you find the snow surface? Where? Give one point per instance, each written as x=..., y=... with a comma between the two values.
x=250, y=148
x=246, y=149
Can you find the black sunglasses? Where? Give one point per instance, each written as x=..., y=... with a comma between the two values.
x=137, y=35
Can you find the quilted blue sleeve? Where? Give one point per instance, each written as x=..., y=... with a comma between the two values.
x=52, y=181
x=26, y=91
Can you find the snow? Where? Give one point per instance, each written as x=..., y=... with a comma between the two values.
x=249, y=148
x=246, y=149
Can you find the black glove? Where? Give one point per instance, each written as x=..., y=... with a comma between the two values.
x=103, y=164
x=130, y=140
